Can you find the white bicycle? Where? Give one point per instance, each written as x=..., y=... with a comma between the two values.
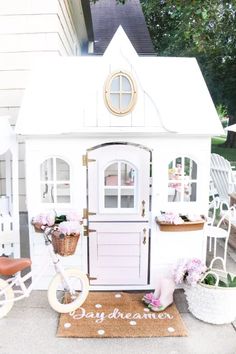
x=67, y=290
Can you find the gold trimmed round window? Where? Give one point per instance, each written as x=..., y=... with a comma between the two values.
x=120, y=93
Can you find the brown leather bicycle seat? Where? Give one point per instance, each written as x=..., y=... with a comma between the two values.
x=10, y=266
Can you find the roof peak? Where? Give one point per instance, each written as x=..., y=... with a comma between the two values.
x=120, y=44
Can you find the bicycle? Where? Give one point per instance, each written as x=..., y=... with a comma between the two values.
x=67, y=290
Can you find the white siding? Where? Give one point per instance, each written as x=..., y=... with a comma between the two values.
x=29, y=7
x=13, y=78
x=22, y=60
x=29, y=29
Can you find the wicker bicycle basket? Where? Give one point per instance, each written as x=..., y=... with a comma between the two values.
x=64, y=245
x=213, y=304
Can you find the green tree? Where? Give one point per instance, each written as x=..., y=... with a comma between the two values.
x=205, y=29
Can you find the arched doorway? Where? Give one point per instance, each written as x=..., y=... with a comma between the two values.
x=118, y=204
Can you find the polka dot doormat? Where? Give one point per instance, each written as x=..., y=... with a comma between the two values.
x=119, y=315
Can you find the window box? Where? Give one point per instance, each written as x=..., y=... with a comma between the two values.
x=186, y=226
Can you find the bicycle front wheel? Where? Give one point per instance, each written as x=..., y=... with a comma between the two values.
x=66, y=295
x=8, y=296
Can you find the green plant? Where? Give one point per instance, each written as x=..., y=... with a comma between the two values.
x=222, y=111
x=230, y=281
x=60, y=218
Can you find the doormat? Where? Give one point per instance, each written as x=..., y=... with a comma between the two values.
x=119, y=315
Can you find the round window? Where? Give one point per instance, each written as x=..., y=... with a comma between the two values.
x=120, y=93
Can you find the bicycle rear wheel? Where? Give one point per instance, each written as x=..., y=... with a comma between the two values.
x=64, y=298
x=8, y=295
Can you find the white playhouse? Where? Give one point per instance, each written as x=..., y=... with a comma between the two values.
x=119, y=138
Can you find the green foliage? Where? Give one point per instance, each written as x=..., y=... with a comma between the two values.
x=228, y=153
x=222, y=111
x=60, y=218
x=229, y=283
x=218, y=140
x=204, y=29
x=209, y=280
x=117, y=1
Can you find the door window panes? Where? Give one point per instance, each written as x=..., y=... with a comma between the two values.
x=127, y=174
x=111, y=198
x=127, y=198
x=111, y=175
x=120, y=186
x=182, y=184
x=55, y=181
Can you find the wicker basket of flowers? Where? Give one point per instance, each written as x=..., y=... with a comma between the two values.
x=64, y=245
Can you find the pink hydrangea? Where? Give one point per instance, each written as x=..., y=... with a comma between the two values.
x=73, y=216
x=45, y=218
x=189, y=271
x=69, y=227
x=195, y=269
x=179, y=272
x=171, y=217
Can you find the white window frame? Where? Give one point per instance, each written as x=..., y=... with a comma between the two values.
x=119, y=187
x=182, y=181
x=54, y=182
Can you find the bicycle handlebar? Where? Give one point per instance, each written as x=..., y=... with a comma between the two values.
x=46, y=232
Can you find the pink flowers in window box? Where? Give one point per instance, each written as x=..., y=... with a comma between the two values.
x=171, y=218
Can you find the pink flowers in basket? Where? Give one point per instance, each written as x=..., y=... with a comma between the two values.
x=67, y=224
x=189, y=271
x=69, y=227
x=44, y=219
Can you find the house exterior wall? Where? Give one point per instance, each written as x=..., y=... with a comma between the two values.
x=28, y=30
x=166, y=247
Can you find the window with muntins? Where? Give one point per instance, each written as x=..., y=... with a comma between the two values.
x=120, y=93
x=120, y=186
x=55, y=181
x=182, y=180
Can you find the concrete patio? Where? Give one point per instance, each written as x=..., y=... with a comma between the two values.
x=31, y=325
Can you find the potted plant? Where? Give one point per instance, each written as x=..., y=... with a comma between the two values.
x=210, y=292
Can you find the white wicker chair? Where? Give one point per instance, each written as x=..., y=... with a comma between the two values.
x=223, y=178
x=212, y=208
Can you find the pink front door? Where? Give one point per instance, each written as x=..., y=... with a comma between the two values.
x=118, y=194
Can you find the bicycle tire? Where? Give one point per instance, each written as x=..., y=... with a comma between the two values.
x=9, y=295
x=57, y=283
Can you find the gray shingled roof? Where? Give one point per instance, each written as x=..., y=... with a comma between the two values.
x=107, y=15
